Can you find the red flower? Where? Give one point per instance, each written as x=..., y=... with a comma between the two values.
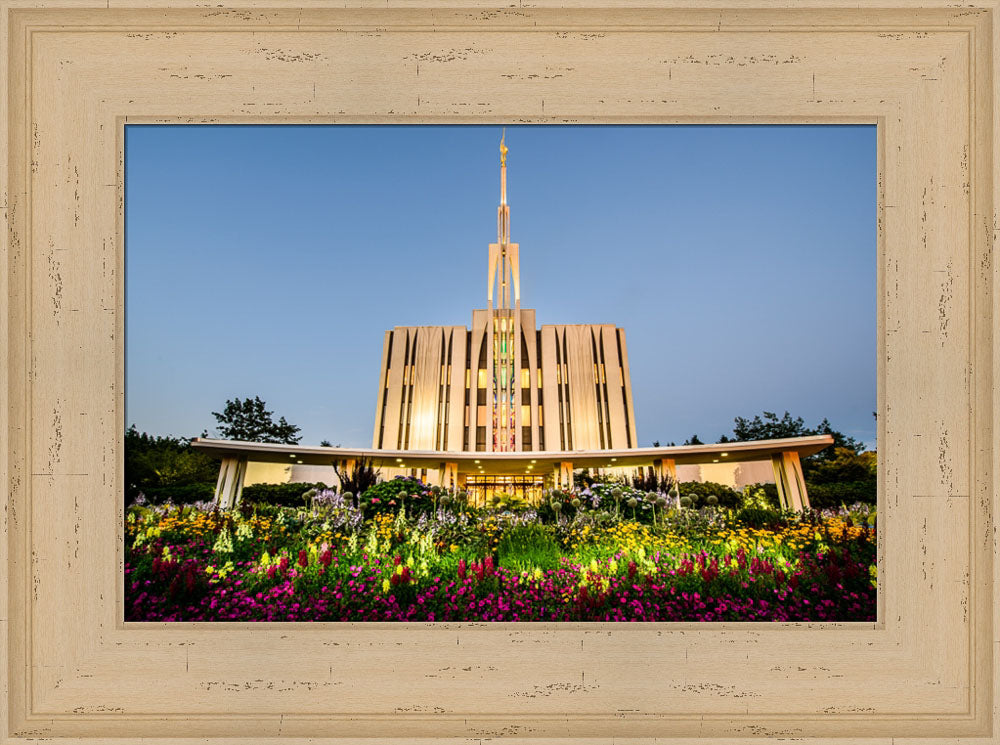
x=303, y=559
x=326, y=557
x=461, y=569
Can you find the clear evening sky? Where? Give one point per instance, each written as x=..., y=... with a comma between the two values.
x=269, y=261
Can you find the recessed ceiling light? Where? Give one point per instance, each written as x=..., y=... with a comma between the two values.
x=614, y=459
x=724, y=455
x=716, y=460
x=399, y=460
x=291, y=455
x=477, y=461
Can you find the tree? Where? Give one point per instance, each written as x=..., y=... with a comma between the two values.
x=770, y=427
x=250, y=421
x=693, y=440
x=163, y=463
x=325, y=444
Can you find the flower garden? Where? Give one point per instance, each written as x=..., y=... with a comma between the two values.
x=403, y=551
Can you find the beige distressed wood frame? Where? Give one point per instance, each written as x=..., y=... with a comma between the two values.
x=78, y=70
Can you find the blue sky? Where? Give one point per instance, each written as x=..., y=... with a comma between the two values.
x=269, y=260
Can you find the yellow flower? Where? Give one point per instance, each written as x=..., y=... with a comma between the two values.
x=385, y=585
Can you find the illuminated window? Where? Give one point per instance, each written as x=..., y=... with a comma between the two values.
x=482, y=378
x=449, y=374
x=539, y=377
x=540, y=417
x=525, y=377
x=466, y=415
x=558, y=375
x=525, y=414
x=603, y=376
x=468, y=377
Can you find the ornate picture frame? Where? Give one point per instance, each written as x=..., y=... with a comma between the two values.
x=78, y=72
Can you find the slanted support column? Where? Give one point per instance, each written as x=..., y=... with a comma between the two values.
x=565, y=479
x=229, y=488
x=449, y=476
x=791, y=483
x=665, y=468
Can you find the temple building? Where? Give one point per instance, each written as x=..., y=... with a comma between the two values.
x=506, y=385
x=508, y=406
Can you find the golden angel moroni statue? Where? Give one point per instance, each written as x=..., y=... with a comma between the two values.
x=503, y=148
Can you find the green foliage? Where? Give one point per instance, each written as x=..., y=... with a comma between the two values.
x=756, y=517
x=770, y=427
x=843, y=465
x=250, y=421
x=508, y=502
x=285, y=495
x=183, y=494
x=826, y=496
x=524, y=548
x=761, y=496
x=727, y=497
x=385, y=496
x=153, y=465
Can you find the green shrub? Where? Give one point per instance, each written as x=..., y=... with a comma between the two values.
x=384, y=496
x=755, y=517
x=823, y=496
x=509, y=502
x=183, y=494
x=283, y=495
x=727, y=497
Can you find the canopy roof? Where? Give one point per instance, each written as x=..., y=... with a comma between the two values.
x=516, y=462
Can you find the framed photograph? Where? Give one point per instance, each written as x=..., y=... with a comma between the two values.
x=102, y=635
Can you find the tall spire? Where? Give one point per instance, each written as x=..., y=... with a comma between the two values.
x=503, y=168
x=503, y=223
x=503, y=356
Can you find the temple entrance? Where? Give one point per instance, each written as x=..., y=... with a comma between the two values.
x=483, y=490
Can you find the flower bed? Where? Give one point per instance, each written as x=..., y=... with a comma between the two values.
x=340, y=562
